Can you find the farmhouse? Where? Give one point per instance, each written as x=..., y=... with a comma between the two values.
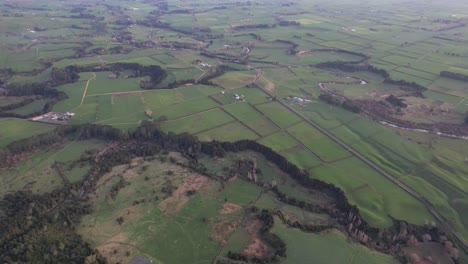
x=53, y=117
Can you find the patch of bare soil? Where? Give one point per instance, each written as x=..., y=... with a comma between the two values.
x=428, y=253
x=425, y=111
x=382, y=95
x=115, y=249
x=172, y=204
x=105, y=150
x=136, y=162
x=256, y=248
x=11, y=161
x=128, y=174
x=270, y=86
x=229, y=208
x=222, y=229
x=308, y=52
x=382, y=110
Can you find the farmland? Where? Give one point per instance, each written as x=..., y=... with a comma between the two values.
x=372, y=100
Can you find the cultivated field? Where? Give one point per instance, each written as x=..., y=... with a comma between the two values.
x=348, y=94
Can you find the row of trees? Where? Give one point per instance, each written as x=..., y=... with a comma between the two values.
x=155, y=73
x=454, y=75
x=353, y=67
x=333, y=100
x=358, y=66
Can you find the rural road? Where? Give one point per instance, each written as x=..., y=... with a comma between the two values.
x=84, y=92
x=374, y=166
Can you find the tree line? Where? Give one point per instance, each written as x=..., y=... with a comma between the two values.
x=357, y=66
x=454, y=75
x=334, y=100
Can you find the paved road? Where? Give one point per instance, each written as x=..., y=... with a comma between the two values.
x=390, y=177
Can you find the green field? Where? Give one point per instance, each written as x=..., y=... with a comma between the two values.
x=231, y=72
x=13, y=129
x=327, y=247
x=38, y=173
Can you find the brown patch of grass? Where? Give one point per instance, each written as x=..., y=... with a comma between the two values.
x=256, y=248
x=427, y=252
x=130, y=174
x=115, y=249
x=229, y=208
x=172, y=204
x=136, y=162
x=222, y=229
x=270, y=86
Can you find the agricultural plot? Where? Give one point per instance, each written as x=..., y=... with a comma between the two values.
x=317, y=142
x=39, y=172
x=229, y=132
x=103, y=84
x=232, y=80
x=13, y=129
x=185, y=108
x=230, y=68
x=30, y=108
x=279, y=114
x=198, y=123
x=327, y=247
x=279, y=141
x=301, y=156
x=375, y=195
x=249, y=116
x=197, y=91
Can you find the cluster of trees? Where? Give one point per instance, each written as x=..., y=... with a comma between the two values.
x=285, y=23
x=292, y=46
x=216, y=72
x=346, y=104
x=301, y=226
x=396, y=101
x=40, y=228
x=155, y=73
x=413, y=87
x=277, y=246
x=216, y=148
x=358, y=66
x=354, y=67
x=254, y=26
x=454, y=75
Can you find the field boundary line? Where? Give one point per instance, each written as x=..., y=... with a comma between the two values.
x=241, y=122
x=218, y=126
x=384, y=173
x=84, y=92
